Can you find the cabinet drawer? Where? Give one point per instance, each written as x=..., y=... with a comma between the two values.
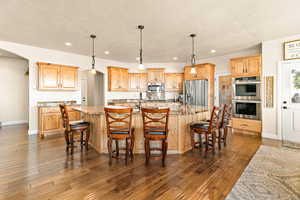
x=50, y=110
x=246, y=124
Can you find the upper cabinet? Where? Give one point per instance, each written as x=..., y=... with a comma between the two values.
x=173, y=81
x=117, y=79
x=57, y=77
x=137, y=82
x=246, y=66
x=156, y=75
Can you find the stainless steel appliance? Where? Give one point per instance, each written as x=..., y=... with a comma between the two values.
x=196, y=92
x=156, y=91
x=246, y=88
x=247, y=109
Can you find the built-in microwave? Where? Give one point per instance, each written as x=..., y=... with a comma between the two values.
x=156, y=87
x=247, y=109
x=246, y=88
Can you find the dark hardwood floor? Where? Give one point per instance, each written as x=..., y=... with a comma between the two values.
x=31, y=168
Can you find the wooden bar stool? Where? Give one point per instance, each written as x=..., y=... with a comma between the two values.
x=225, y=124
x=209, y=130
x=72, y=127
x=155, y=123
x=118, y=122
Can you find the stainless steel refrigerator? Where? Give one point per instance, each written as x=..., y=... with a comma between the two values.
x=196, y=92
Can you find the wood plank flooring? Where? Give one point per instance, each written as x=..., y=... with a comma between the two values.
x=31, y=168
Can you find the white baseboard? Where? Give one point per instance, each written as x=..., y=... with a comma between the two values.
x=33, y=132
x=12, y=123
x=270, y=136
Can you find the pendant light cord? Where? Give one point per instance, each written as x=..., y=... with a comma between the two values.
x=193, y=59
x=141, y=45
x=93, y=56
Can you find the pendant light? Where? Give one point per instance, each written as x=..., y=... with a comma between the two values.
x=193, y=57
x=141, y=66
x=93, y=70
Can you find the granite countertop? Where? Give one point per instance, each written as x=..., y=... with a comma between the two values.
x=182, y=110
x=56, y=103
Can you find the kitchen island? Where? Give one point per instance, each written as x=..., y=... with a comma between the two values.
x=179, y=140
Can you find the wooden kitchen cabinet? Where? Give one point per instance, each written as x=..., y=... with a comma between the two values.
x=57, y=77
x=246, y=66
x=173, y=82
x=117, y=79
x=156, y=75
x=247, y=126
x=50, y=121
x=137, y=82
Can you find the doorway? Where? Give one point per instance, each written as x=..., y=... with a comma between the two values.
x=14, y=87
x=289, y=102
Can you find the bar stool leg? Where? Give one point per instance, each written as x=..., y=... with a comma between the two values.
x=225, y=135
x=87, y=137
x=206, y=142
x=109, y=147
x=131, y=146
x=193, y=139
x=127, y=150
x=147, y=150
x=72, y=142
x=117, y=147
x=81, y=139
x=213, y=142
x=67, y=140
x=219, y=139
x=164, y=151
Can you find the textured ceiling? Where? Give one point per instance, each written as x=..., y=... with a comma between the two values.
x=225, y=26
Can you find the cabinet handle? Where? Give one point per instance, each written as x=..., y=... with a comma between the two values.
x=244, y=125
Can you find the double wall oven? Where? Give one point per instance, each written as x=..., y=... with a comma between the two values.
x=247, y=98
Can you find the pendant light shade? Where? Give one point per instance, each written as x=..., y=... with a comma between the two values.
x=93, y=70
x=193, y=57
x=141, y=65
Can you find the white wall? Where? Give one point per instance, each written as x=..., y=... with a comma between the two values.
x=14, y=91
x=272, y=53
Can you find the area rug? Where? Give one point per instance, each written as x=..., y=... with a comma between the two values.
x=273, y=173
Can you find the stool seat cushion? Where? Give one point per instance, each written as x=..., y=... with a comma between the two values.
x=200, y=125
x=119, y=132
x=79, y=124
x=156, y=133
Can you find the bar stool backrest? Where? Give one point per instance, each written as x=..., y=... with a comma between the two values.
x=227, y=115
x=155, y=120
x=64, y=115
x=215, y=118
x=118, y=120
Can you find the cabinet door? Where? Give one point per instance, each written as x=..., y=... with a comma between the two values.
x=69, y=77
x=254, y=66
x=173, y=81
x=124, y=79
x=238, y=67
x=201, y=73
x=156, y=75
x=49, y=76
x=143, y=82
x=51, y=121
x=134, y=82
x=117, y=79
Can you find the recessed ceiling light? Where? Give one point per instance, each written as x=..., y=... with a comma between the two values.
x=137, y=58
x=213, y=51
x=175, y=58
x=68, y=44
x=106, y=52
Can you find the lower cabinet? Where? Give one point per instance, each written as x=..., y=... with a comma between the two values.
x=50, y=121
x=248, y=126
